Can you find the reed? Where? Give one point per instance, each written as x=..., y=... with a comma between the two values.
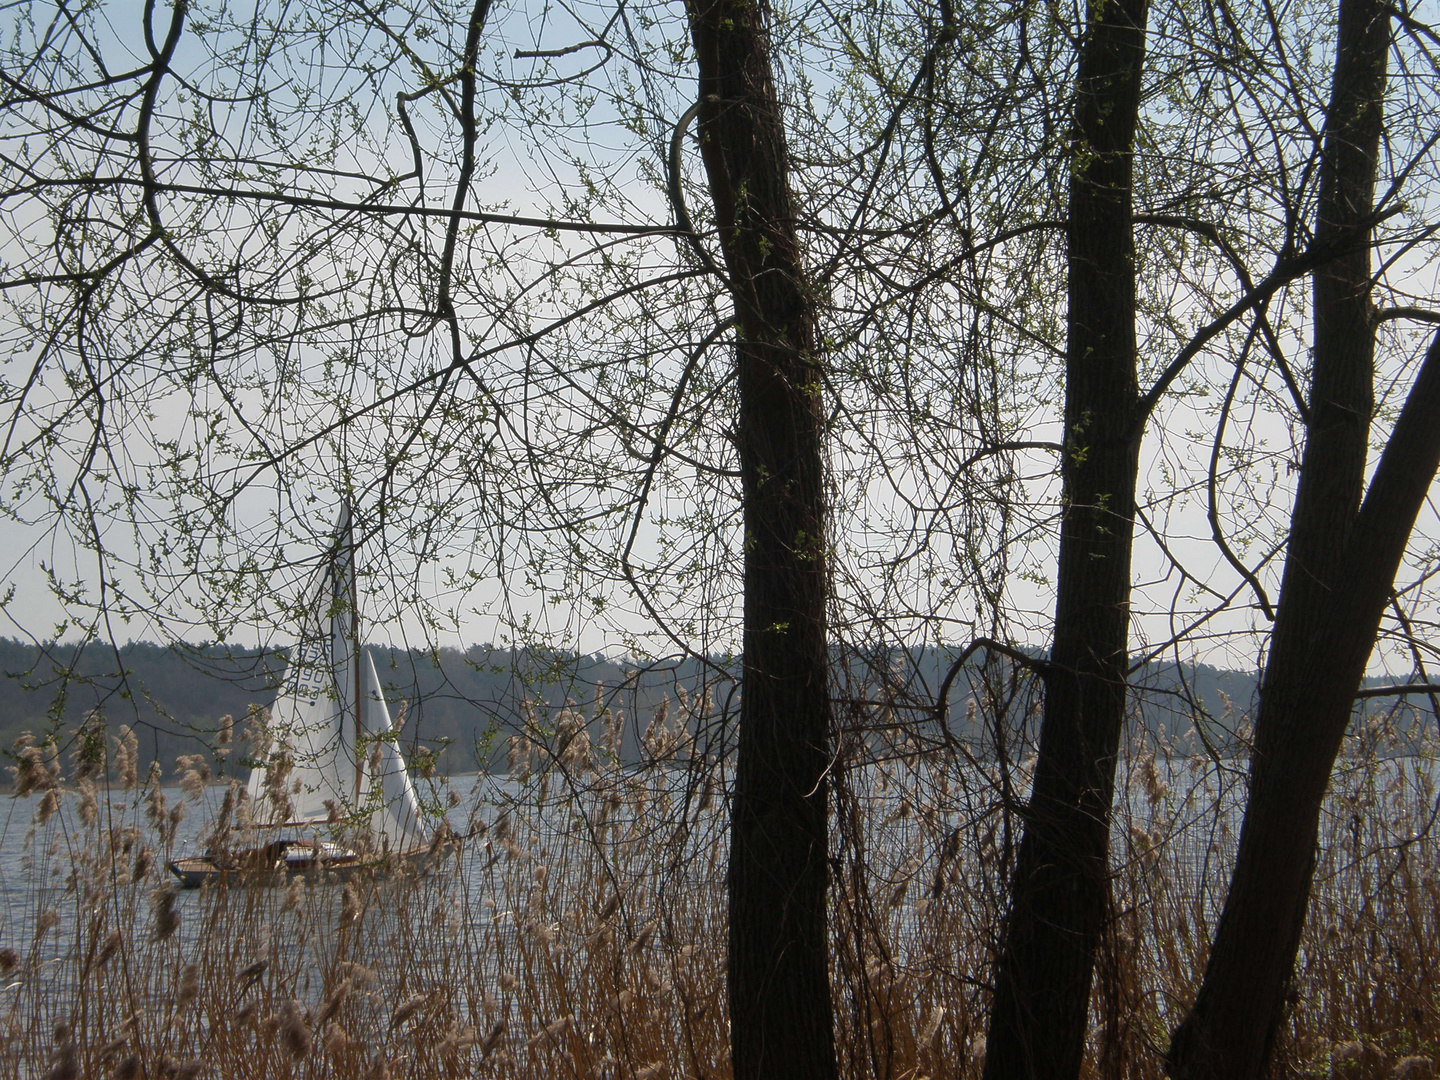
x=570, y=921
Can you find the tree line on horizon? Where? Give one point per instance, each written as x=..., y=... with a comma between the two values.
x=465, y=704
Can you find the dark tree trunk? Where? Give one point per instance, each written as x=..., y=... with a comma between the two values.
x=1306, y=701
x=1339, y=571
x=1057, y=904
x=779, y=984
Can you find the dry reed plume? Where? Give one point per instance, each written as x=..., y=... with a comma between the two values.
x=570, y=920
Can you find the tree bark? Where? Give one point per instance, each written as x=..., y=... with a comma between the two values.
x=1057, y=904
x=778, y=972
x=1339, y=571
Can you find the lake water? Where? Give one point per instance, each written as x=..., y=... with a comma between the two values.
x=1193, y=818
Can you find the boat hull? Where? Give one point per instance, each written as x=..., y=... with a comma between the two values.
x=279, y=865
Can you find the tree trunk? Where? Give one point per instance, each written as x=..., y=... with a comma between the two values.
x=1057, y=904
x=778, y=973
x=1306, y=701
x=1339, y=571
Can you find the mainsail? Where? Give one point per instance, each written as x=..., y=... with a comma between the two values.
x=333, y=758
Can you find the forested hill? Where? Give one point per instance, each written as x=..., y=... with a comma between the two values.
x=465, y=702
x=175, y=697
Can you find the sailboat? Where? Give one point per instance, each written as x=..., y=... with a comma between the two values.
x=332, y=789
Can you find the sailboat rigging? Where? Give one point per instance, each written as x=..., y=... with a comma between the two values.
x=333, y=776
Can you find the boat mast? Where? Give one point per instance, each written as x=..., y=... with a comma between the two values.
x=355, y=657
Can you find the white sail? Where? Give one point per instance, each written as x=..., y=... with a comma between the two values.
x=329, y=724
x=395, y=822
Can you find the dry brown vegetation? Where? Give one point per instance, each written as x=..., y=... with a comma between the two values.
x=570, y=920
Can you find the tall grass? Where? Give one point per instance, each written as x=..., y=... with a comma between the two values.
x=569, y=920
